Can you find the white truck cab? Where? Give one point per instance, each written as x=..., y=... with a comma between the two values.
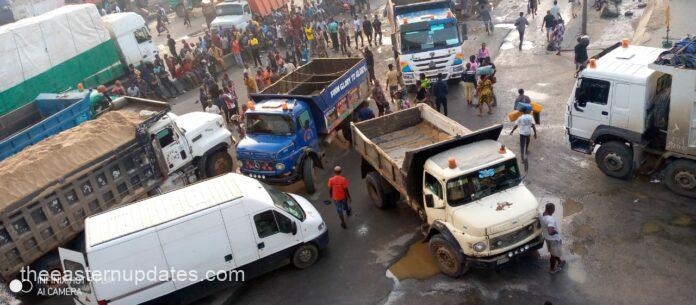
x=221, y=231
x=132, y=37
x=635, y=109
x=230, y=14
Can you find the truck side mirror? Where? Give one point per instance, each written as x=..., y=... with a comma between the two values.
x=429, y=202
x=293, y=228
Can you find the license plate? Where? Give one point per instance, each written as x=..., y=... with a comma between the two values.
x=502, y=261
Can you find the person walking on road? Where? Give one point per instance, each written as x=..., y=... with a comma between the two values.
x=487, y=20
x=370, y=61
x=358, y=32
x=469, y=78
x=580, y=56
x=521, y=24
x=377, y=27
x=557, y=37
x=440, y=92
x=392, y=81
x=367, y=29
x=485, y=94
x=483, y=54
x=171, y=43
x=549, y=23
x=522, y=101
x=532, y=8
x=556, y=10
x=552, y=236
x=338, y=190
x=526, y=125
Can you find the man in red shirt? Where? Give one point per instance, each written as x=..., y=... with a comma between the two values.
x=338, y=189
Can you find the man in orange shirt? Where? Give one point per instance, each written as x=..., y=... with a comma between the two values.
x=338, y=189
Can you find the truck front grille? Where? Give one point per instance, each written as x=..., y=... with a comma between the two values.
x=513, y=237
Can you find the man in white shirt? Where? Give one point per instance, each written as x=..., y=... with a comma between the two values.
x=526, y=125
x=212, y=108
x=556, y=10
x=552, y=236
x=357, y=26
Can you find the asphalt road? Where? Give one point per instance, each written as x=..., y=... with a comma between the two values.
x=626, y=242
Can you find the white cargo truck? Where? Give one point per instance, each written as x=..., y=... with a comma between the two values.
x=465, y=185
x=639, y=114
x=220, y=231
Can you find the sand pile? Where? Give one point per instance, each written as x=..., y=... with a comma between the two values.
x=42, y=163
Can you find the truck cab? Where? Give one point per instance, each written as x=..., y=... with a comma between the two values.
x=474, y=195
x=195, y=138
x=428, y=39
x=132, y=37
x=281, y=138
x=634, y=109
x=231, y=14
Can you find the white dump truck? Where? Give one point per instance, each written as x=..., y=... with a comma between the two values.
x=135, y=149
x=464, y=184
x=640, y=114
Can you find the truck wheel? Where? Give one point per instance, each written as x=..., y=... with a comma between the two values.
x=615, y=159
x=448, y=259
x=680, y=177
x=376, y=192
x=305, y=256
x=309, y=175
x=218, y=164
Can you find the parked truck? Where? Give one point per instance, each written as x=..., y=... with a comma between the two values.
x=239, y=13
x=221, y=232
x=287, y=121
x=640, y=113
x=48, y=114
x=135, y=149
x=427, y=38
x=465, y=185
x=11, y=11
x=67, y=46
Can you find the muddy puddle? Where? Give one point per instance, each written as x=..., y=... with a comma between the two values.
x=571, y=207
x=652, y=227
x=416, y=264
x=682, y=220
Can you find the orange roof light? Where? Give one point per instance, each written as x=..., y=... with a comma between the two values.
x=624, y=43
x=452, y=163
x=502, y=149
x=284, y=106
x=449, y=14
x=405, y=20
x=593, y=63
x=251, y=105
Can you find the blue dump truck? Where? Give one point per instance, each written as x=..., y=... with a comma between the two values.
x=286, y=122
x=48, y=114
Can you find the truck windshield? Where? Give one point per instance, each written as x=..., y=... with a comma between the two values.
x=481, y=183
x=269, y=124
x=285, y=202
x=229, y=9
x=437, y=36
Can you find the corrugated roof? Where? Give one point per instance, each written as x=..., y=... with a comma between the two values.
x=160, y=209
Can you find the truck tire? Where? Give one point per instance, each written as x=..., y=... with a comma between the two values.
x=615, y=159
x=305, y=256
x=450, y=261
x=376, y=192
x=218, y=163
x=680, y=177
x=308, y=175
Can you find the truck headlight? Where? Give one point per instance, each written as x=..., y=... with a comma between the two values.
x=480, y=246
x=280, y=166
x=321, y=226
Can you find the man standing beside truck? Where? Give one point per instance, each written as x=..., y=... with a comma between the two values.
x=552, y=236
x=338, y=189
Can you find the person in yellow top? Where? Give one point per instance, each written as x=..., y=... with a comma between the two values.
x=310, y=38
x=250, y=83
x=254, y=44
x=216, y=53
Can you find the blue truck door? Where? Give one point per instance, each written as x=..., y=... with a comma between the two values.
x=307, y=135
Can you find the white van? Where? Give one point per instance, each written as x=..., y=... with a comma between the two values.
x=226, y=226
x=132, y=37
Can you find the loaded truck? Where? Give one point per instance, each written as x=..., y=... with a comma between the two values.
x=427, y=39
x=57, y=50
x=465, y=185
x=238, y=14
x=287, y=122
x=135, y=149
x=636, y=114
x=222, y=232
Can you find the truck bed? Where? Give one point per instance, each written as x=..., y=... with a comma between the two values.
x=397, y=143
x=311, y=79
x=59, y=181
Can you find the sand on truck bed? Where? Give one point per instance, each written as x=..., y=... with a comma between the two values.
x=42, y=163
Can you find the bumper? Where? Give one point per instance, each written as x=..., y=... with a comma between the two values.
x=323, y=240
x=274, y=179
x=502, y=258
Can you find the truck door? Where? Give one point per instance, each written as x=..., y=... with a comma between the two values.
x=308, y=132
x=174, y=150
x=74, y=262
x=433, y=198
x=274, y=232
x=620, y=106
x=590, y=107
